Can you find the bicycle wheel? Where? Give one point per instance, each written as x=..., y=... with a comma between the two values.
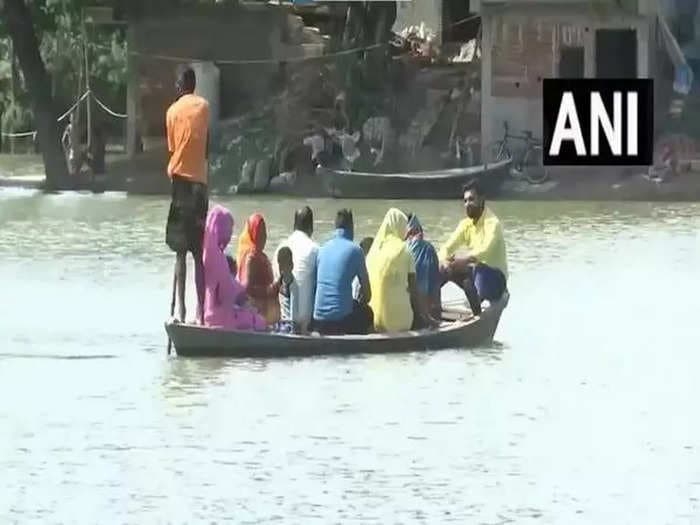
x=533, y=169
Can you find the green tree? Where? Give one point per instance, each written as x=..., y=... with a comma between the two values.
x=18, y=22
x=53, y=30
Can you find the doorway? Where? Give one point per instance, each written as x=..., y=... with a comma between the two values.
x=616, y=53
x=458, y=23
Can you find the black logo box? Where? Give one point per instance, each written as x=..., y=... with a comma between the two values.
x=553, y=90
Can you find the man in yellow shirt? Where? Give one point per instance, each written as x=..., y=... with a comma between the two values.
x=187, y=124
x=484, y=271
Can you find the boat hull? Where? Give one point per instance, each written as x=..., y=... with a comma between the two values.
x=199, y=341
x=444, y=184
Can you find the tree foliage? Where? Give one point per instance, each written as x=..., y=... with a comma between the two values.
x=59, y=27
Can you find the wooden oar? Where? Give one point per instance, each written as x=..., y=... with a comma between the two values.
x=172, y=308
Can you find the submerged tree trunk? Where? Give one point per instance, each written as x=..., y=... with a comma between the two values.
x=19, y=24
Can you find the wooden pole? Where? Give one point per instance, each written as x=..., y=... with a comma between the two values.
x=131, y=91
x=14, y=85
x=172, y=305
x=88, y=100
x=76, y=126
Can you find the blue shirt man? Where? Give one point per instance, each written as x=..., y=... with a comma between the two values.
x=339, y=261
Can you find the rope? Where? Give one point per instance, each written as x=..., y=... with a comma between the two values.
x=465, y=20
x=106, y=109
x=171, y=58
x=19, y=135
x=72, y=108
x=65, y=114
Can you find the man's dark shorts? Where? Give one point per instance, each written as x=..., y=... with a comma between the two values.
x=184, y=231
x=359, y=322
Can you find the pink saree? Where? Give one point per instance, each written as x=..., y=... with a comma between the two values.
x=224, y=295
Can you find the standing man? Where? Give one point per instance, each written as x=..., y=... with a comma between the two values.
x=483, y=273
x=187, y=123
x=304, y=253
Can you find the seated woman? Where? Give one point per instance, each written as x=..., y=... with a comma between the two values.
x=428, y=277
x=224, y=297
x=255, y=270
x=392, y=277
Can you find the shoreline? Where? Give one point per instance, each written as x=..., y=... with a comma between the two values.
x=641, y=190
x=571, y=184
x=606, y=187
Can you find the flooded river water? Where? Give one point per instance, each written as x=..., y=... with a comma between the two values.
x=585, y=411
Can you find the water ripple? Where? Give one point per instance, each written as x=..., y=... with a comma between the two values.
x=543, y=426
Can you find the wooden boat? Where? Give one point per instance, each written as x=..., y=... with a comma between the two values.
x=198, y=341
x=439, y=184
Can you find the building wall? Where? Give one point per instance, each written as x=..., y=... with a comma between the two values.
x=522, y=45
x=232, y=35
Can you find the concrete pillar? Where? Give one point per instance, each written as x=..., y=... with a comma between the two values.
x=643, y=50
x=209, y=87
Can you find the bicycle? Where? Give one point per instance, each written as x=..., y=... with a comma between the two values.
x=529, y=164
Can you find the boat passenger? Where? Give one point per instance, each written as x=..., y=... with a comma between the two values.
x=483, y=273
x=365, y=244
x=339, y=261
x=304, y=253
x=392, y=276
x=255, y=270
x=427, y=267
x=232, y=266
x=224, y=297
x=289, y=293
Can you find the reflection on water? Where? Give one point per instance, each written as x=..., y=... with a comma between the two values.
x=577, y=414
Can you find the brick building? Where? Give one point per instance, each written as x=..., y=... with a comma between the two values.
x=525, y=41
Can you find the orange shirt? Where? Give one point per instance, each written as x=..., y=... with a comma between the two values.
x=187, y=123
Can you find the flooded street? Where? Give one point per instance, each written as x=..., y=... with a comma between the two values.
x=584, y=411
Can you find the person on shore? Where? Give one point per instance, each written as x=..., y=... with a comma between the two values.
x=304, y=254
x=75, y=154
x=392, y=277
x=224, y=297
x=255, y=270
x=339, y=261
x=98, y=148
x=289, y=293
x=483, y=273
x=67, y=139
x=427, y=267
x=366, y=245
x=187, y=124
